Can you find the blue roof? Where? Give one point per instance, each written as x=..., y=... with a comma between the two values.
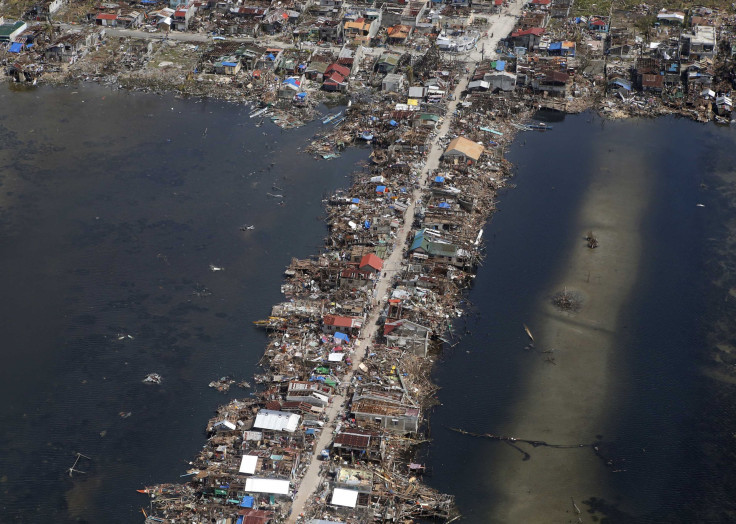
x=229, y=64
x=439, y=179
x=555, y=46
x=418, y=239
x=341, y=336
x=15, y=47
x=500, y=65
x=381, y=189
x=310, y=431
x=247, y=502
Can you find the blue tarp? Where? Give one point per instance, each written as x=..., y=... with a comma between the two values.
x=367, y=224
x=229, y=64
x=394, y=123
x=439, y=179
x=310, y=431
x=342, y=336
x=381, y=189
x=301, y=95
x=292, y=81
x=270, y=56
x=15, y=47
x=247, y=502
x=240, y=519
x=500, y=65
x=555, y=46
x=444, y=205
x=355, y=201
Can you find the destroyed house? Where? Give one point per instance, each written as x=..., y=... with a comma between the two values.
x=600, y=24
x=353, y=487
x=701, y=43
x=366, y=444
x=427, y=245
x=528, y=38
x=314, y=393
x=334, y=323
x=360, y=31
x=407, y=335
x=551, y=82
x=352, y=278
x=386, y=410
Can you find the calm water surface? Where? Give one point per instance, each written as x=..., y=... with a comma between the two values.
x=658, y=407
x=113, y=206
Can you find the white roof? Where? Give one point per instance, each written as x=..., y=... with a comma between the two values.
x=344, y=497
x=225, y=424
x=248, y=464
x=274, y=486
x=276, y=420
x=336, y=357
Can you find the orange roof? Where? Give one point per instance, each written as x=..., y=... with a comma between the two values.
x=371, y=260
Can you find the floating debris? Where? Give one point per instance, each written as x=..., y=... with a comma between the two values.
x=153, y=378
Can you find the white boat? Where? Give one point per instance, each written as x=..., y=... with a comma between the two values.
x=331, y=118
x=258, y=112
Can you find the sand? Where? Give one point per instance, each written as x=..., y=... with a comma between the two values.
x=567, y=401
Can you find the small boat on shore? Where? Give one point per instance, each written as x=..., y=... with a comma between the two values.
x=367, y=136
x=258, y=112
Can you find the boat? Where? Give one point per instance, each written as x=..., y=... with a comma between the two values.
x=339, y=121
x=216, y=268
x=330, y=118
x=258, y=112
x=529, y=333
x=367, y=136
x=541, y=126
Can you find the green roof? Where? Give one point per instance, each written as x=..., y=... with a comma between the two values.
x=7, y=29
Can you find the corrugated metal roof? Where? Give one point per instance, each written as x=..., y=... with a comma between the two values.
x=276, y=420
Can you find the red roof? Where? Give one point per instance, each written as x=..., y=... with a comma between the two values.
x=497, y=2
x=107, y=16
x=371, y=260
x=541, y=2
x=255, y=516
x=342, y=70
x=599, y=23
x=335, y=78
x=536, y=31
x=338, y=321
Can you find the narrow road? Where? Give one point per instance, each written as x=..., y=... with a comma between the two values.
x=501, y=25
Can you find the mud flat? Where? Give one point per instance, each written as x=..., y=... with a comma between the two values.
x=569, y=389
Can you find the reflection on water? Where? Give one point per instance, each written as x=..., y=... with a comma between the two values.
x=664, y=422
x=113, y=206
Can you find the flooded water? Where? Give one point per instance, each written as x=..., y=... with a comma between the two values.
x=661, y=417
x=113, y=208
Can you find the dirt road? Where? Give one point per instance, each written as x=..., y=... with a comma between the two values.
x=501, y=25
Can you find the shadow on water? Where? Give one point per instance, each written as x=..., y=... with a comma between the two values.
x=670, y=434
x=113, y=209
